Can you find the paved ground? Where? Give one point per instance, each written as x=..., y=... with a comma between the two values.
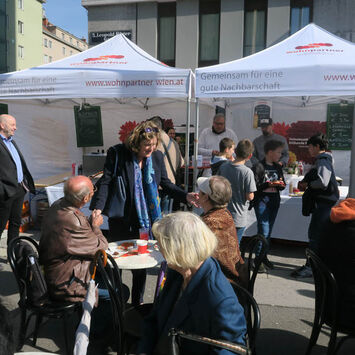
x=286, y=305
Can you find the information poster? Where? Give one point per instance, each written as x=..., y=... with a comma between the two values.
x=88, y=126
x=339, y=126
x=262, y=109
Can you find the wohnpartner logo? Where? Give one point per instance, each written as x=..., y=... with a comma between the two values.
x=104, y=59
x=315, y=48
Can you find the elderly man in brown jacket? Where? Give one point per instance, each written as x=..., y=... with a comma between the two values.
x=68, y=238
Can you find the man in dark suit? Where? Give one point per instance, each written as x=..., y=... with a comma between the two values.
x=15, y=178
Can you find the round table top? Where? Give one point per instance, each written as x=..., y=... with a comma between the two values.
x=125, y=259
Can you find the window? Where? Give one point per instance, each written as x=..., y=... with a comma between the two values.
x=166, y=32
x=63, y=36
x=77, y=43
x=71, y=52
x=301, y=14
x=209, y=32
x=20, y=51
x=45, y=59
x=45, y=42
x=71, y=40
x=254, y=26
x=20, y=4
x=50, y=44
x=63, y=50
x=20, y=27
x=50, y=59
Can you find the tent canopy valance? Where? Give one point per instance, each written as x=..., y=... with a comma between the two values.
x=116, y=68
x=310, y=62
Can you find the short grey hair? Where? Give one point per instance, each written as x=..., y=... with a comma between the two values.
x=75, y=197
x=184, y=239
x=218, y=115
x=221, y=191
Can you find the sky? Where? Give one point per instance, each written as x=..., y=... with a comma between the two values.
x=68, y=15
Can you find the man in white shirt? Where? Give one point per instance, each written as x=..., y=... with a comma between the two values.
x=208, y=143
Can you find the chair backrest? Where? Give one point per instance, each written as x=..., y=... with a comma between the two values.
x=326, y=288
x=251, y=312
x=112, y=279
x=22, y=253
x=253, y=251
x=175, y=336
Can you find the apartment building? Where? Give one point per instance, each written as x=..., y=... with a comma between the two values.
x=58, y=43
x=191, y=33
x=20, y=34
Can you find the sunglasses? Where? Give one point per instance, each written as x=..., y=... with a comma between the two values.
x=149, y=130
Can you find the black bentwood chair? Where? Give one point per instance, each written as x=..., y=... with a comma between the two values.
x=248, y=248
x=176, y=336
x=326, y=306
x=251, y=313
x=22, y=253
x=111, y=276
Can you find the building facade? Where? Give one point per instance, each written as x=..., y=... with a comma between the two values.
x=195, y=33
x=20, y=34
x=58, y=43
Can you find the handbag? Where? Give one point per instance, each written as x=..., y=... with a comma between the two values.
x=116, y=200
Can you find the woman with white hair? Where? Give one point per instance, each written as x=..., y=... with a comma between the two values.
x=196, y=298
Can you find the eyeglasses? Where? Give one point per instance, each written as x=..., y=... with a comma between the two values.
x=150, y=129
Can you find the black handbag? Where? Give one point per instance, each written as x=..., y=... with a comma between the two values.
x=116, y=200
x=114, y=207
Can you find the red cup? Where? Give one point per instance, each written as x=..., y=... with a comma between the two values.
x=142, y=246
x=144, y=233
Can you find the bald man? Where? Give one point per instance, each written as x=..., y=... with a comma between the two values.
x=15, y=178
x=68, y=238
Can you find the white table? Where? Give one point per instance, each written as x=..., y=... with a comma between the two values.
x=289, y=224
x=135, y=262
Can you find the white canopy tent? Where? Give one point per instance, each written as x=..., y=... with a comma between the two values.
x=116, y=73
x=311, y=62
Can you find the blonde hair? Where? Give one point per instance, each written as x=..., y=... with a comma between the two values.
x=145, y=131
x=185, y=240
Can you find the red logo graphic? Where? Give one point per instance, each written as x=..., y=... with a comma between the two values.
x=104, y=57
x=314, y=45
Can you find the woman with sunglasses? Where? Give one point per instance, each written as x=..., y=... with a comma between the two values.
x=142, y=169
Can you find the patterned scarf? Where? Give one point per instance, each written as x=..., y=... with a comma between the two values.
x=146, y=194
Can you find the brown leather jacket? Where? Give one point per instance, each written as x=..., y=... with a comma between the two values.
x=68, y=239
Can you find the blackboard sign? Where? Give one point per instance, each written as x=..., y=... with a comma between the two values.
x=88, y=126
x=261, y=110
x=4, y=109
x=339, y=126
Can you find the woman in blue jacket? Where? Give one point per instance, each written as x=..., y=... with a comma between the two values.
x=196, y=298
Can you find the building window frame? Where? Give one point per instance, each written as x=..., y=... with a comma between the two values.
x=205, y=40
x=21, y=51
x=45, y=59
x=301, y=9
x=20, y=4
x=20, y=27
x=166, y=11
x=255, y=11
x=49, y=44
x=63, y=50
x=45, y=42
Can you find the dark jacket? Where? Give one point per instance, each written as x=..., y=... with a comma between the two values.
x=208, y=306
x=67, y=240
x=126, y=170
x=8, y=173
x=337, y=250
x=322, y=184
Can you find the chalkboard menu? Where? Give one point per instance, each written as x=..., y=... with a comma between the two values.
x=339, y=126
x=262, y=109
x=88, y=126
x=4, y=109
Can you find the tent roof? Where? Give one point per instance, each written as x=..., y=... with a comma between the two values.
x=310, y=62
x=115, y=68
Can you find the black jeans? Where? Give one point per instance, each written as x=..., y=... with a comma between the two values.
x=10, y=210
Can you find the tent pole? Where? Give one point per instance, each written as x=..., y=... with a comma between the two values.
x=352, y=160
x=197, y=119
x=187, y=144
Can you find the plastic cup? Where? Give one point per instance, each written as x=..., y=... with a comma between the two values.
x=142, y=246
x=144, y=233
